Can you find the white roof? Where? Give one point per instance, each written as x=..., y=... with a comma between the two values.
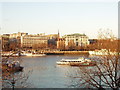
x=79, y=59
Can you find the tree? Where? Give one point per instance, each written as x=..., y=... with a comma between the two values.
x=15, y=80
x=12, y=78
x=52, y=46
x=106, y=73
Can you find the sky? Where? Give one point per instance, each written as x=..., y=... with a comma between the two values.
x=67, y=17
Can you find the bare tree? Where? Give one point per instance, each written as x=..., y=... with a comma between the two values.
x=12, y=78
x=106, y=73
x=52, y=46
x=15, y=80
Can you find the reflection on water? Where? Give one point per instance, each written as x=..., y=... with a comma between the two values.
x=47, y=74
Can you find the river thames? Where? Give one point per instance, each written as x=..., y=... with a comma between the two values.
x=45, y=73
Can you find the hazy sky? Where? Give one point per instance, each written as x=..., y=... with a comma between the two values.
x=68, y=17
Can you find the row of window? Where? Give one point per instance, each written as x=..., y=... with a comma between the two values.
x=33, y=39
x=75, y=37
x=71, y=61
x=77, y=41
x=34, y=43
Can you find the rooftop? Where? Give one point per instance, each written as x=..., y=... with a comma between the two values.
x=76, y=34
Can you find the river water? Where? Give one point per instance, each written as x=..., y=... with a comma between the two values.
x=45, y=73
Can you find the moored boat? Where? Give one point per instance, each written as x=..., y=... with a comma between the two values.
x=12, y=66
x=76, y=62
x=34, y=54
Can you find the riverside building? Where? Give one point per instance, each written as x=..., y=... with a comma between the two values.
x=61, y=43
x=4, y=39
x=34, y=41
x=15, y=39
x=52, y=39
x=76, y=39
x=16, y=35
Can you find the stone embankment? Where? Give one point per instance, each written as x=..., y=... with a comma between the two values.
x=65, y=52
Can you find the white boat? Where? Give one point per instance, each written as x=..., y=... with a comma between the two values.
x=75, y=62
x=33, y=54
x=102, y=52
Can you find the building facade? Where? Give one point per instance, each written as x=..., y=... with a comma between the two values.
x=92, y=41
x=61, y=43
x=76, y=39
x=15, y=40
x=5, y=41
x=16, y=35
x=34, y=41
x=52, y=40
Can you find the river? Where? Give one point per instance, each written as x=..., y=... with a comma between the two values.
x=45, y=73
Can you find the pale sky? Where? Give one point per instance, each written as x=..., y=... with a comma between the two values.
x=68, y=17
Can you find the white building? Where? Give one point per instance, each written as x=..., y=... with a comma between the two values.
x=77, y=39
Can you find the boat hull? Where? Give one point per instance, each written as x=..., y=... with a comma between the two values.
x=11, y=69
x=76, y=63
x=35, y=55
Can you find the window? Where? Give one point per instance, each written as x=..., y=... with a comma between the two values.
x=76, y=43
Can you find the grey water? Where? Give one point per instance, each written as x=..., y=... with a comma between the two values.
x=45, y=73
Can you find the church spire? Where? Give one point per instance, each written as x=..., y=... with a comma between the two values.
x=58, y=34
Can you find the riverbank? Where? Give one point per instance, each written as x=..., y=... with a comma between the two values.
x=65, y=52
x=56, y=52
x=5, y=54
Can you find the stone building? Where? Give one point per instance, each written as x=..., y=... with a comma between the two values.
x=52, y=40
x=5, y=41
x=76, y=39
x=61, y=44
x=16, y=35
x=34, y=41
x=15, y=40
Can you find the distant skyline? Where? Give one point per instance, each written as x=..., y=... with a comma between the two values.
x=67, y=17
